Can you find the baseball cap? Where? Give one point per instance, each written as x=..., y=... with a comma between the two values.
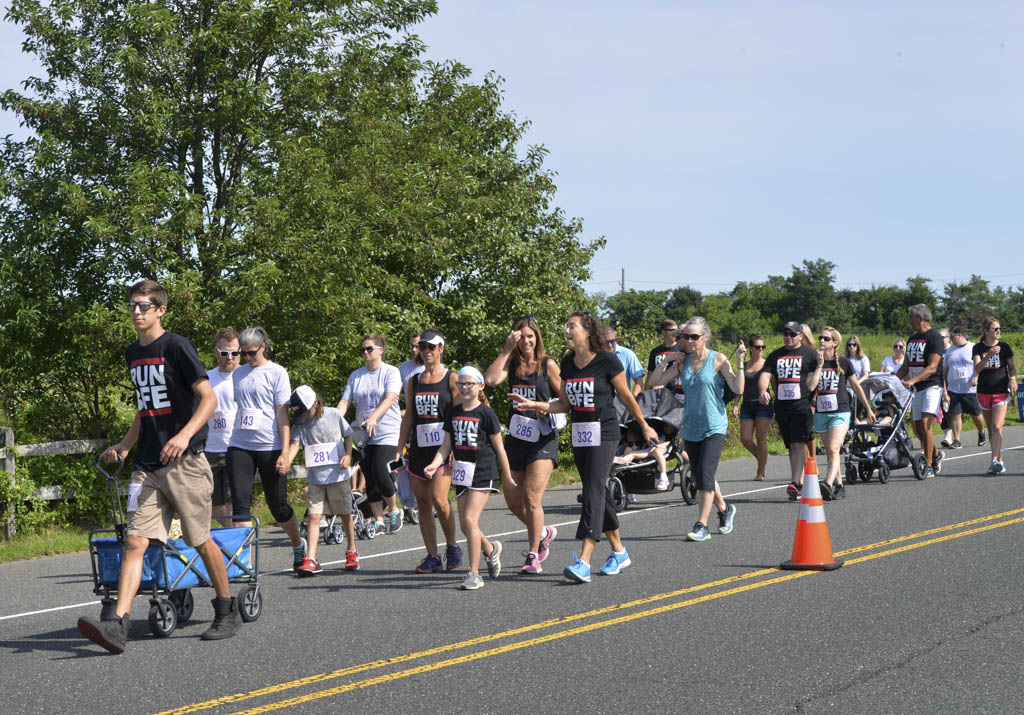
x=300, y=403
x=794, y=327
x=431, y=337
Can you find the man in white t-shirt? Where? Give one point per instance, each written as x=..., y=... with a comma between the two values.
x=413, y=366
x=225, y=350
x=962, y=387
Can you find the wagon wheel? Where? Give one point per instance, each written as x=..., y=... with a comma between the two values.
x=250, y=603
x=163, y=617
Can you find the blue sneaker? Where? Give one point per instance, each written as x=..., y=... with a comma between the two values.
x=452, y=557
x=579, y=571
x=615, y=563
x=726, y=517
x=997, y=468
x=700, y=533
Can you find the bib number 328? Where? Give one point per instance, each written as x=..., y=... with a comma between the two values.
x=586, y=434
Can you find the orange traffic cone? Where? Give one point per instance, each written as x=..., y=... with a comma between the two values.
x=812, y=548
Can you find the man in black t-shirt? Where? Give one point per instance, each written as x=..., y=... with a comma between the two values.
x=920, y=370
x=669, y=331
x=174, y=401
x=793, y=371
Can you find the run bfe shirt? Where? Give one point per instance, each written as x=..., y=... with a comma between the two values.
x=590, y=392
x=471, y=432
x=831, y=395
x=994, y=378
x=657, y=357
x=535, y=387
x=921, y=346
x=792, y=369
x=162, y=374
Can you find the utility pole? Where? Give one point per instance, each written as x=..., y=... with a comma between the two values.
x=623, y=280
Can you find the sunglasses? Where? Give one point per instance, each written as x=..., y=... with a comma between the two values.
x=996, y=329
x=789, y=333
x=143, y=305
x=691, y=336
x=611, y=342
x=825, y=338
x=466, y=384
x=528, y=318
x=757, y=347
x=229, y=353
x=250, y=353
x=853, y=345
x=371, y=348
x=897, y=347
x=427, y=346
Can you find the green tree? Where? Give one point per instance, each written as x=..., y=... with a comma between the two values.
x=295, y=165
x=683, y=303
x=808, y=294
x=636, y=311
x=967, y=303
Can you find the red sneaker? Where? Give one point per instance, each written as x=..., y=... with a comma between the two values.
x=310, y=567
x=351, y=560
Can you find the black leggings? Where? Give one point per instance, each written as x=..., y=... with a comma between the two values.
x=379, y=485
x=704, y=457
x=242, y=467
x=598, y=514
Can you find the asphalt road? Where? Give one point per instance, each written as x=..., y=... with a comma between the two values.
x=925, y=616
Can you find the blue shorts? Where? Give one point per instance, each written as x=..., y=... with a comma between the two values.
x=824, y=420
x=758, y=411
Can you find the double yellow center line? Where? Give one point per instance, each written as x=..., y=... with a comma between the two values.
x=981, y=524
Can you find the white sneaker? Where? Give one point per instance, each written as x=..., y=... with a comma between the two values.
x=662, y=483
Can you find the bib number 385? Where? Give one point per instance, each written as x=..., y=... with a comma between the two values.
x=586, y=434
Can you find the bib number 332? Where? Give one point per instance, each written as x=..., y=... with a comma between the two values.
x=586, y=434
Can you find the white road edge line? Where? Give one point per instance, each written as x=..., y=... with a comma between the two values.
x=489, y=536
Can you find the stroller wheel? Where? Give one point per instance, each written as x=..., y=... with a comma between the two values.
x=163, y=617
x=304, y=532
x=618, y=494
x=250, y=603
x=412, y=515
x=919, y=463
x=851, y=473
x=337, y=531
x=184, y=603
x=883, y=473
x=329, y=532
x=688, y=486
x=865, y=471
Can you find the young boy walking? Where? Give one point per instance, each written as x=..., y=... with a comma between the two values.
x=171, y=475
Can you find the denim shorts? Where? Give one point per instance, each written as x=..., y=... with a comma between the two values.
x=757, y=412
x=824, y=420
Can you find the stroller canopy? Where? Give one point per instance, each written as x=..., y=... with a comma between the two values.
x=656, y=406
x=878, y=383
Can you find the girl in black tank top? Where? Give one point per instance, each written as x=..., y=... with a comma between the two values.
x=429, y=402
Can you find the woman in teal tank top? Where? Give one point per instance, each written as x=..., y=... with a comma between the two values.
x=704, y=373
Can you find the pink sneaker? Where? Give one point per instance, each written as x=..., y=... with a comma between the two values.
x=550, y=533
x=532, y=564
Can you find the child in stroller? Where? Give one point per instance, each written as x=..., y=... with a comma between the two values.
x=633, y=449
x=886, y=444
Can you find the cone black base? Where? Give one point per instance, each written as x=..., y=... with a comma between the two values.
x=790, y=566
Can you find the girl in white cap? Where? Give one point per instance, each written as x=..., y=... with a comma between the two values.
x=473, y=437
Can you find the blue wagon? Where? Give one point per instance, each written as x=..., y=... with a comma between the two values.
x=171, y=571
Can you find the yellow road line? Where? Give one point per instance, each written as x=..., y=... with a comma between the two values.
x=511, y=647
x=363, y=667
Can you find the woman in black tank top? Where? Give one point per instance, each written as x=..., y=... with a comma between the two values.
x=532, y=444
x=430, y=395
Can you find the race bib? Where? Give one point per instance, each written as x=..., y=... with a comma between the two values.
x=914, y=371
x=789, y=391
x=250, y=418
x=827, y=403
x=462, y=473
x=963, y=373
x=362, y=416
x=430, y=434
x=524, y=428
x=220, y=421
x=586, y=434
x=133, y=496
x=321, y=455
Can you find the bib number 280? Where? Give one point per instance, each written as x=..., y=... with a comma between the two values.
x=586, y=434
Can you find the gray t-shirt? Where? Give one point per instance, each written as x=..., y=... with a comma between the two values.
x=407, y=369
x=961, y=369
x=258, y=392
x=222, y=421
x=366, y=391
x=330, y=429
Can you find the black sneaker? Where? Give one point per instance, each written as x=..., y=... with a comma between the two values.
x=957, y=444
x=793, y=491
x=981, y=439
x=110, y=633
x=838, y=491
x=946, y=444
x=937, y=461
x=826, y=491
x=226, y=619
x=927, y=472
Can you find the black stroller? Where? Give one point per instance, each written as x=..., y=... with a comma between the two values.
x=663, y=412
x=882, y=447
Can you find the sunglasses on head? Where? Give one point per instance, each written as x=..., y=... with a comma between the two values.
x=143, y=305
x=527, y=318
x=229, y=353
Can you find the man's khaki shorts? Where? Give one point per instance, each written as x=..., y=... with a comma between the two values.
x=333, y=498
x=185, y=489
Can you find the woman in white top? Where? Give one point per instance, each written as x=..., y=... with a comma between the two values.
x=855, y=354
x=892, y=363
x=262, y=429
x=374, y=390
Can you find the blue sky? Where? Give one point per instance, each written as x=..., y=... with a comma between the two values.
x=712, y=142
